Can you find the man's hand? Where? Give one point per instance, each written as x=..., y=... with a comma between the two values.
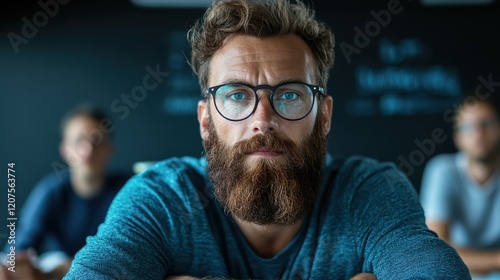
x=24, y=269
x=3, y=272
x=364, y=276
x=497, y=260
x=60, y=271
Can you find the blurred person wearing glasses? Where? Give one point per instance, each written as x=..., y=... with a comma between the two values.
x=68, y=205
x=266, y=202
x=461, y=192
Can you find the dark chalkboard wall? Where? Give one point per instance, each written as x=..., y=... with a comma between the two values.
x=399, y=70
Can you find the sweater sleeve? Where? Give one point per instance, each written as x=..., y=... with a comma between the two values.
x=393, y=237
x=146, y=227
x=125, y=242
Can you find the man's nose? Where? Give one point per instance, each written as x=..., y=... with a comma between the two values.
x=85, y=149
x=264, y=118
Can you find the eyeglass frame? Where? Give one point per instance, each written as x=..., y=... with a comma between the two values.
x=482, y=124
x=314, y=89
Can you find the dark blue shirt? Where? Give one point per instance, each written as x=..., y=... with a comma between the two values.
x=55, y=218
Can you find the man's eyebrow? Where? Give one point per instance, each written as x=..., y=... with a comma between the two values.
x=233, y=81
x=239, y=81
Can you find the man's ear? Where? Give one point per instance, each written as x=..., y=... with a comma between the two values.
x=203, y=118
x=326, y=117
x=63, y=151
x=110, y=149
x=457, y=140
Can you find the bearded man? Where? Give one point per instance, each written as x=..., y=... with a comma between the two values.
x=266, y=202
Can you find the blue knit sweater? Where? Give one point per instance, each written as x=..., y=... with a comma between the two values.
x=166, y=221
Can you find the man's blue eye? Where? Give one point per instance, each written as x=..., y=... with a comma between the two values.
x=289, y=95
x=237, y=96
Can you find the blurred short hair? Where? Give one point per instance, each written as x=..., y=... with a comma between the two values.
x=259, y=18
x=84, y=110
x=471, y=99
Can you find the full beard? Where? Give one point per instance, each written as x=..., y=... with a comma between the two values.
x=267, y=191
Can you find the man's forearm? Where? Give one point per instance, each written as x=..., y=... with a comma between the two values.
x=364, y=276
x=60, y=271
x=480, y=262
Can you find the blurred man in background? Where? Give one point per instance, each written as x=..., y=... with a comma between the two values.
x=68, y=205
x=461, y=192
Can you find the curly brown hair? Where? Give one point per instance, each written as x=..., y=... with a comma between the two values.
x=262, y=19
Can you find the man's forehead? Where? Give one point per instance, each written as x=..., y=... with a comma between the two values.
x=80, y=125
x=474, y=111
x=241, y=54
x=240, y=43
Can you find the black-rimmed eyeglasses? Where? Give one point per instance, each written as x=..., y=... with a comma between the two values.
x=292, y=101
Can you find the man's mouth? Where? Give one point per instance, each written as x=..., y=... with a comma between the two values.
x=265, y=152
